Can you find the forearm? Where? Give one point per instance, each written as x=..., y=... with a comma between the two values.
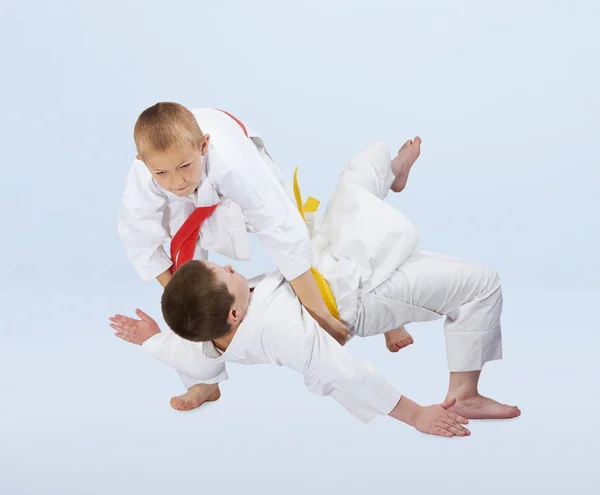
x=305, y=287
x=164, y=277
x=141, y=223
x=329, y=370
x=186, y=357
x=406, y=411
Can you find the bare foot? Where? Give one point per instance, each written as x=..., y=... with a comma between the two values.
x=398, y=339
x=480, y=407
x=407, y=155
x=193, y=398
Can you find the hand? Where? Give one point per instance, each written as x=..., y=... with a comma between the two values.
x=134, y=331
x=336, y=329
x=436, y=420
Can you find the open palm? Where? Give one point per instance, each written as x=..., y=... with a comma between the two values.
x=132, y=330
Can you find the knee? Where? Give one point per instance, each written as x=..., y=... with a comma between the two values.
x=490, y=280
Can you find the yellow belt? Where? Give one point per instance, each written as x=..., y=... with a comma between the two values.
x=310, y=206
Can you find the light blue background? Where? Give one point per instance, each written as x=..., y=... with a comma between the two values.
x=505, y=97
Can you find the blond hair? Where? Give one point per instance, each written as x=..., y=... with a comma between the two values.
x=165, y=126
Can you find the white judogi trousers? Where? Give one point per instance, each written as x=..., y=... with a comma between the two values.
x=367, y=251
x=430, y=286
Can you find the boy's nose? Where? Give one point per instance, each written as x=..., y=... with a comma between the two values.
x=178, y=183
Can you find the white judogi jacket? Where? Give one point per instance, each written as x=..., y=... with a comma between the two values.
x=354, y=254
x=278, y=330
x=254, y=197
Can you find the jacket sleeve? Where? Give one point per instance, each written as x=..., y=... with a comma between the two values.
x=242, y=175
x=141, y=223
x=186, y=357
x=328, y=369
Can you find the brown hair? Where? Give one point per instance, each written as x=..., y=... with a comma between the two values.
x=195, y=305
x=165, y=126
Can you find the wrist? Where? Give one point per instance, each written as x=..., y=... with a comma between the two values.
x=326, y=320
x=414, y=414
x=406, y=411
x=153, y=343
x=164, y=277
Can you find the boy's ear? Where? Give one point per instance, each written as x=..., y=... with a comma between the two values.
x=204, y=144
x=138, y=157
x=232, y=317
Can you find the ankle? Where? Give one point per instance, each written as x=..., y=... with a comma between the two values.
x=463, y=385
x=202, y=388
x=462, y=395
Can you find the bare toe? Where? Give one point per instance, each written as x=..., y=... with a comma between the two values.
x=398, y=339
x=405, y=145
x=393, y=347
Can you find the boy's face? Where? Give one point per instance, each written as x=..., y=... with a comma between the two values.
x=236, y=283
x=178, y=170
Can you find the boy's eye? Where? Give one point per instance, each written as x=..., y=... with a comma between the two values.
x=159, y=173
x=185, y=166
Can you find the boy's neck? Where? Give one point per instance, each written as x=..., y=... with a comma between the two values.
x=222, y=343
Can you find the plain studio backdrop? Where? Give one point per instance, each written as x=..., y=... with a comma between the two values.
x=505, y=97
